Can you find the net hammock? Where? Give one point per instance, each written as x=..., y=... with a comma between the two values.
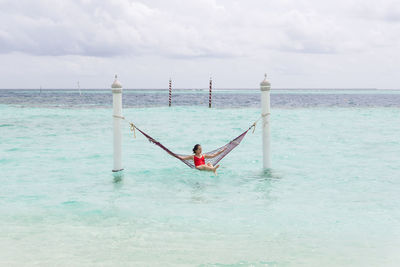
x=220, y=152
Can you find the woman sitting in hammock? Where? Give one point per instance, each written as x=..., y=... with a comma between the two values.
x=199, y=159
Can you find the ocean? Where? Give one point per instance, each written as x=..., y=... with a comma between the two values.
x=331, y=197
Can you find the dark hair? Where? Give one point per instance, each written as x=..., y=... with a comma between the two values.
x=195, y=148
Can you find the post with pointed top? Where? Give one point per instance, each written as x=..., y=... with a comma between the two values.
x=265, y=87
x=170, y=91
x=209, y=97
x=117, y=116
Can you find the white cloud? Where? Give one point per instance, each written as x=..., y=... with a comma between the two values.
x=200, y=28
x=213, y=34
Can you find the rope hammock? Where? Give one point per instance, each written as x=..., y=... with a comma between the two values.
x=225, y=148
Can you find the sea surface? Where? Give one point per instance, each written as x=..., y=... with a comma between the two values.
x=330, y=199
x=199, y=97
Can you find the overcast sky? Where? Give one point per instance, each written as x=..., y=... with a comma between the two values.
x=300, y=44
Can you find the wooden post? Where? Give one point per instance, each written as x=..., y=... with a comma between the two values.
x=170, y=92
x=209, y=98
x=117, y=117
x=265, y=87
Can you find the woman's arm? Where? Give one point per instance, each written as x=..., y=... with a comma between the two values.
x=186, y=157
x=214, y=155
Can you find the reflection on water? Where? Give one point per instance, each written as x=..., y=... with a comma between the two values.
x=117, y=177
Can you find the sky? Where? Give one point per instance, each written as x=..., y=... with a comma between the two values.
x=298, y=43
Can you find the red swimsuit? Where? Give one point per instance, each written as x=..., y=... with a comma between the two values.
x=199, y=161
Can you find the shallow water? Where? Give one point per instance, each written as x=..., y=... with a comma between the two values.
x=331, y=198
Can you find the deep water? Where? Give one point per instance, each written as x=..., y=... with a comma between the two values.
x=199, y=97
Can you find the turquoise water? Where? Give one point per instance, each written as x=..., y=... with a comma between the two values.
x=331, y=198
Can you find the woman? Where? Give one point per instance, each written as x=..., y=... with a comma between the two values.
x=199, y=159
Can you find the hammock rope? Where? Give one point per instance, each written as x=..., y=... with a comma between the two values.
x=218, y=154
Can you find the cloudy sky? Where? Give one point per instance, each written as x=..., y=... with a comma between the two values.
x=300, y=44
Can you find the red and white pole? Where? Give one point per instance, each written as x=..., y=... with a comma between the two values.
x=209, y=98
x=170, y=91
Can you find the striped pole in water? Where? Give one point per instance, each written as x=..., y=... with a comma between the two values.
x=209, y=98
x=170, y=92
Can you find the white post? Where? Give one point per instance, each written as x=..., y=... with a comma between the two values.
x=265, y=87
x=117, y=116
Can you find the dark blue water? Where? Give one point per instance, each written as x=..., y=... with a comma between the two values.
x=221, y=98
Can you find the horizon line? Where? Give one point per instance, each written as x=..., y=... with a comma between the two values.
x=206, y=88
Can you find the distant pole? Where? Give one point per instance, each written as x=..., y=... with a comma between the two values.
x=170, y=92
x=265, y=87
x=79, y=88
x=209, y=98
x=117, y=116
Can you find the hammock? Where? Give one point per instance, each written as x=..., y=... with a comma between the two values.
x=225, y=148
